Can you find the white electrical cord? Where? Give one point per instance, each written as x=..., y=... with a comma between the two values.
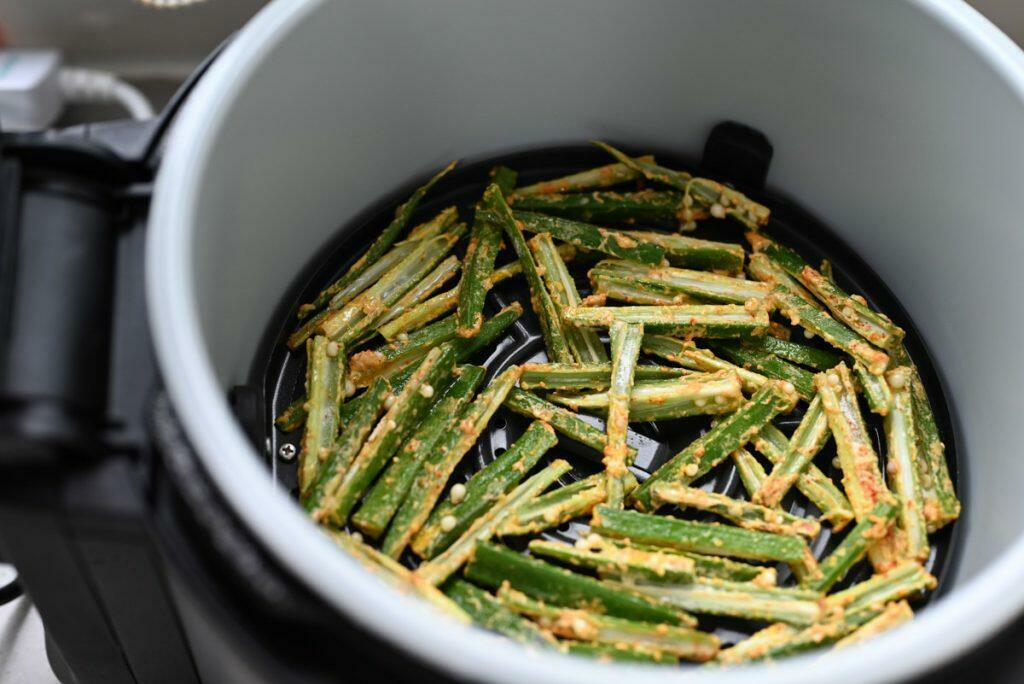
x=91, y=85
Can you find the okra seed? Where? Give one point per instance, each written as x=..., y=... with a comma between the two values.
x=458, y=492
x=718, y=211
x=448, y=523
x=403, y=337
x=350, y=387
x=332, y=348
x=691, y=469
x=391, y=424
x=701, y=402
x=720, y=400
x=390, y=401
x=808, y=334
x=357, y=537
x=426, y=391
x=833, y=379
x=787, y=387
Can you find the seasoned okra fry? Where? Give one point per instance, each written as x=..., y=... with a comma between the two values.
x=871, y=528
x=708, y=567
x=356, y=429
x=440, y=464
x=625, y=343
x=807, y=639
x=293, y=417
x=439, y=223
x=595, y=238
x=747, y=515
x=493, y=566
x=620, y=289
x=684, y=251
x=560, y=506
x=496, y=209
x=689, y=395
x=714, y=446
x=687, y=355
x=750, y=470
x=441, y=274
x=905, y=580
x=902, y=467
x=370, y=364
x=380, y=246
x=585, y=345
x=876, y=389
x=894, y=615
x=692, y=320
x=808, y=439
x=572, y=623
x=453, y=516
x=760, y=267
x=811, y=357
x=600, y=177
x=391, y=488
x=832, y=331
x=489, y=613
x=604, y=653
x=585, y=376
x=708, y=287
x=768, y=365
x=796, y=607
x=441, y=567
x=757, y=644
x=646, y=207
x=325, y=378
x=394, y=427
x=609, y=559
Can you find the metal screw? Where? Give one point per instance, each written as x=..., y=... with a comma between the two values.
x=287, y=451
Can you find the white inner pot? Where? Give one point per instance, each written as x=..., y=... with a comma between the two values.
x=899, y=123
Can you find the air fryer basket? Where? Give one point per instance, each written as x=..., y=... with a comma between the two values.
x=278, y=374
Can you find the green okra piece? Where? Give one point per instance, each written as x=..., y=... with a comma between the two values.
x=747, y=515
x=493, y=566
x=612, y=560
x=621, y=289
x=625, y=343
x=714, y=446
x=583, y=625
x=905, y=580
x=708, y=287
x=440, y=223
x=356, y=429
x=380, y=246
x=584, y=344
x=757, y=644
x=705, y=538
x=799, y=312
x=550, y=321
x=646, y=207
x=812, y=357
x=744, y=600
x=750, y=470
x=871, y=528
x=491, y=614
x=391, y=431
x=812, y=483
x=564, y=422
x=293, y=417
x=605, y=653
x=325, y=375
x=876, y=389
x=585, y=376
x=560, y=506
x=451, y=518
x=441, y=462
x=808, y=439
x=902, y=468
x=806, y=639
x=691, y=320
x=441, y=567
x=761, y=268
x=370, y=364
x=701, y=196
x=397, y=575
x=684, y=251
x=687, y=355
x=419, y=293
x=600, y=177
x=894, y=615
x=690, y=395
x=595, y=238
x=768, y=365
x=391, y=488
x=874, y=327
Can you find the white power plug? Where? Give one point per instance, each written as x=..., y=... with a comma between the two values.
x=30, y=90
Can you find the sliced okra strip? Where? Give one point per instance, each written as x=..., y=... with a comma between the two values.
x=902, y=469
x=802, y=354
x=871, y=528
x=684, y=251
x=614, y=560
x=905, y=580
x=370, y=364
x=625, y=343
x=560, y=506
x=747, y=515
x=808, y=439
x=708, y=287
x=422, y=290
x=646, y=207
x=768, y=365
x=761, y=268
x=585, y=376
x=876, y=389
x=595, y=238
x=489, y=613
x=605, y=653
x=325, y=378
x=894, y=615
x=751, y=472
x=757, y=644
x=293, y=417
x=691, y=320
x=621, y=289
x=687, y=355
x=600, y=177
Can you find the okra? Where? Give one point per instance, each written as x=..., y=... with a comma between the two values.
x=708, y=287
x=440, y=223
x=325, y=375
x=605, y=287
x=684, y=251
x=560, y=506
x=604, y=653
x=612, y=560
x=750, y=471
x=835, y=333
x=493, y=565
x=584, y=344
x=876, y=390
x=550, y=322
x=757, y=645
x=600, y=177
x=451, y=518
x=689, y=395
x=293, y=417
x=687, y=355
x=484, y=244
x=625, y=343
x=585, y=376
x=390, y=490
x=807, y=639
x=808, y=439
x=811, y=357
x=489, y=613
x=749, y=516
x=768, y=365
x=584, y=625
x=646, y=207
x=391, y=431
x=441, y=274
x=380, y=246
x=902, y=467
x=594, y=238
x=366, y=366
x=761, y=268
x=440, y=463
x=894, y=615
x=796, y=607
x=693, y=320
x=869, y=530
x=483, y=528
x=906, y=580
x=345, y=448
x=714, y=446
